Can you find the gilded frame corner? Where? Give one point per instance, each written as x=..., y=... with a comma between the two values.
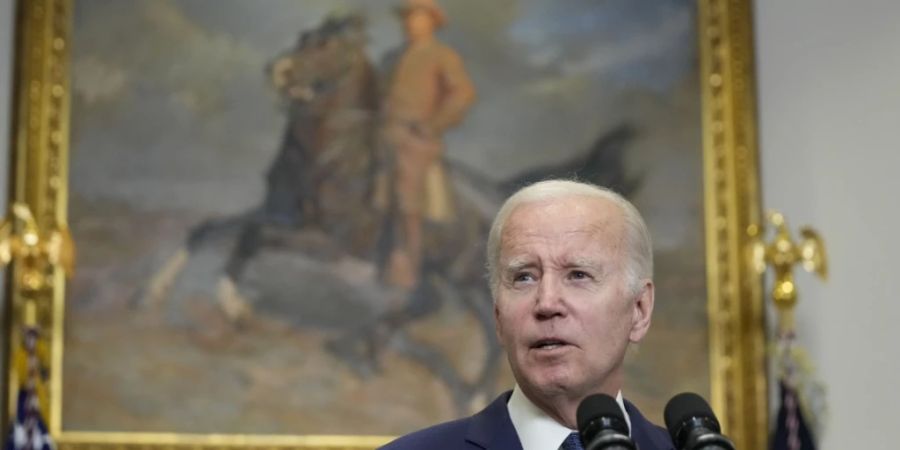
x=731, y=198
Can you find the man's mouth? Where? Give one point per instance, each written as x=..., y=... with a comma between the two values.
x=548, y=344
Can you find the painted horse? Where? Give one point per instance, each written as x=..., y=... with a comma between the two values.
x=324, y=182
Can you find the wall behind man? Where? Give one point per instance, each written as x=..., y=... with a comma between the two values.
x=829, y=101
x=829, y=87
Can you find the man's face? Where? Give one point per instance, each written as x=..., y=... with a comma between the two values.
x=565, y=310
x=418, y=23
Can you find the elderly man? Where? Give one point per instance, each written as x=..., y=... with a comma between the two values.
x=570, y=268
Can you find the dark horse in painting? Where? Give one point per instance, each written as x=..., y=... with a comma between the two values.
x=321, y=193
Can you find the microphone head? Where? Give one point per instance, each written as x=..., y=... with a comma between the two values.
x=598, y=412
x=687, y=411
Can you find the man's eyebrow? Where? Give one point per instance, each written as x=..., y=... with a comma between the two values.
x=517, y=264
x=596, y=268
x=583, y=262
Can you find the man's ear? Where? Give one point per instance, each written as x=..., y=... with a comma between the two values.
x=642, y=310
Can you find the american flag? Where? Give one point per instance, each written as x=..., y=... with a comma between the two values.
x=29, y=431
x=802, y=398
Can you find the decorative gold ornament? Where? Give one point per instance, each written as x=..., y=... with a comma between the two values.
x=783, y=253
x=37, y=252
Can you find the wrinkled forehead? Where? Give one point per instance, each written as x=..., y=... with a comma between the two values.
x=582, y=219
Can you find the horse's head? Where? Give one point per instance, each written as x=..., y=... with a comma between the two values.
x=322, y=58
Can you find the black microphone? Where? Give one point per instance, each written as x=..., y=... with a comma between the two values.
x=692, y=424
x=601, y=424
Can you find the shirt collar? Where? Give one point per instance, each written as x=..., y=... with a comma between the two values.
x=537, y=430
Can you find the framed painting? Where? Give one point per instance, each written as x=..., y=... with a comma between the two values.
x=233, y=176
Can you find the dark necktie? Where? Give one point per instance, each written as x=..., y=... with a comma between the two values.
x=572, y=442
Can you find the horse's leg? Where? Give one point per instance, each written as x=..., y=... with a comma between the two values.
x=439, y=365
x=481, y=305
x=405, y=304
x=427, y=299
x=478, y=302
x=387, y=330
x=234, y=305
x=422, y=301
x=467, y=396
x=361, y=348
x=154, y=293
x=157, y=289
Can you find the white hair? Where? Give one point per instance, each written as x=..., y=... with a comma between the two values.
x=640, y=249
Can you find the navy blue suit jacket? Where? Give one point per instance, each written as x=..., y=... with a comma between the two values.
x=492, y=429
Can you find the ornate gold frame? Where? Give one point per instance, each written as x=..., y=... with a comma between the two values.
x=735, y=306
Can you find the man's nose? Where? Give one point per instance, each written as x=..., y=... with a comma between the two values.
x=549, y=302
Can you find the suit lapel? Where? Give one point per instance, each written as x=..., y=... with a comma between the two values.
x=491, y=428
x=646, y=435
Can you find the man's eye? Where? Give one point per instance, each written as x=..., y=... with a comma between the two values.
x=523, y=276
x=579, y=275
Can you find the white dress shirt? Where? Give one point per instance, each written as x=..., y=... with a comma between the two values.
x=537, y=430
